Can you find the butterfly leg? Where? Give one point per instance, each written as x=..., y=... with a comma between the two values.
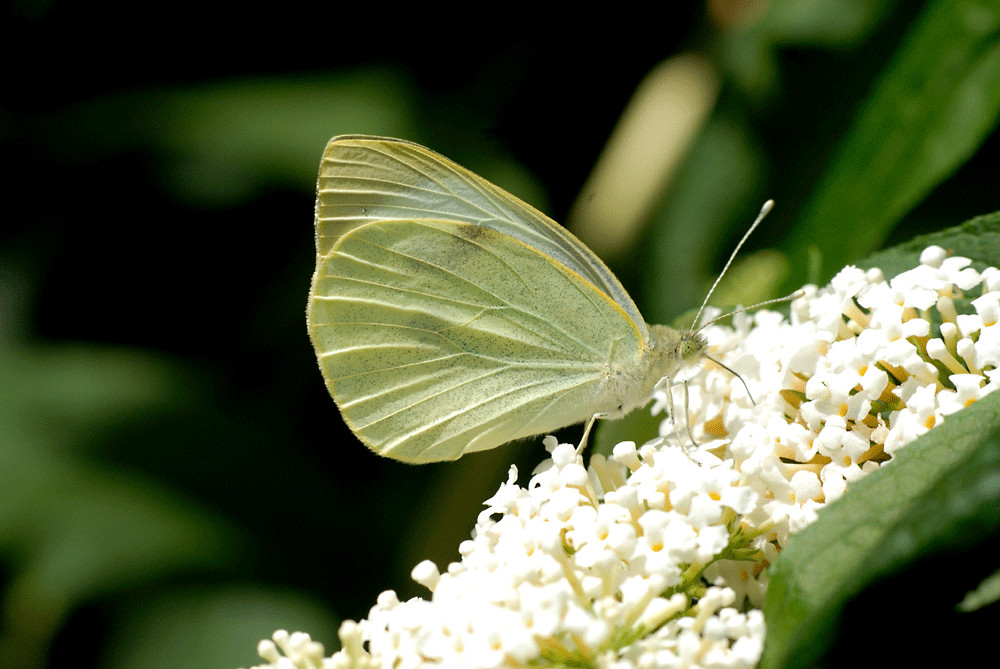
x=586, y=433
x=687, y=417
x=669, y=387
x=671, y=413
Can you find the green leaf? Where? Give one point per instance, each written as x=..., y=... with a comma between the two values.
x=928, y=498
x=977, y=239
x=933, y=106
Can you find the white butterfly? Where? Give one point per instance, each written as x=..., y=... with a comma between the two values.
x=448, y=316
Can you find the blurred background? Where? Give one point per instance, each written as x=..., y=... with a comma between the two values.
x=175, y=482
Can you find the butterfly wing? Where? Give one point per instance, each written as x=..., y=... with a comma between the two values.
x=365, y=179
x=439, y=337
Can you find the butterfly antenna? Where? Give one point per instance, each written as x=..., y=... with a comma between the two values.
x=760, y=217
x=733, y=372
x=787, y=298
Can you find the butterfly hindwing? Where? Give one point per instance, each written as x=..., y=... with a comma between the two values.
x=438, y=337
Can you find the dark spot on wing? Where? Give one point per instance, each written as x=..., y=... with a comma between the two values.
x=471, y=232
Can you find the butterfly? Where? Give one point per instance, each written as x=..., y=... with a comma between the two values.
x=448, y=316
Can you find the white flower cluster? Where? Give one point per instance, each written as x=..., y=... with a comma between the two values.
x=864, y=367
x=656, y=556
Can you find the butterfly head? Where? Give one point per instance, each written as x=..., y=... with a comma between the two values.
x=691, y=348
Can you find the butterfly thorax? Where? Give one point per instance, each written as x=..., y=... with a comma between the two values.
x=668, y=352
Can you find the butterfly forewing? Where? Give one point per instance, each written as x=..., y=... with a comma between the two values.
x=438, y=337
x=369, y=179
